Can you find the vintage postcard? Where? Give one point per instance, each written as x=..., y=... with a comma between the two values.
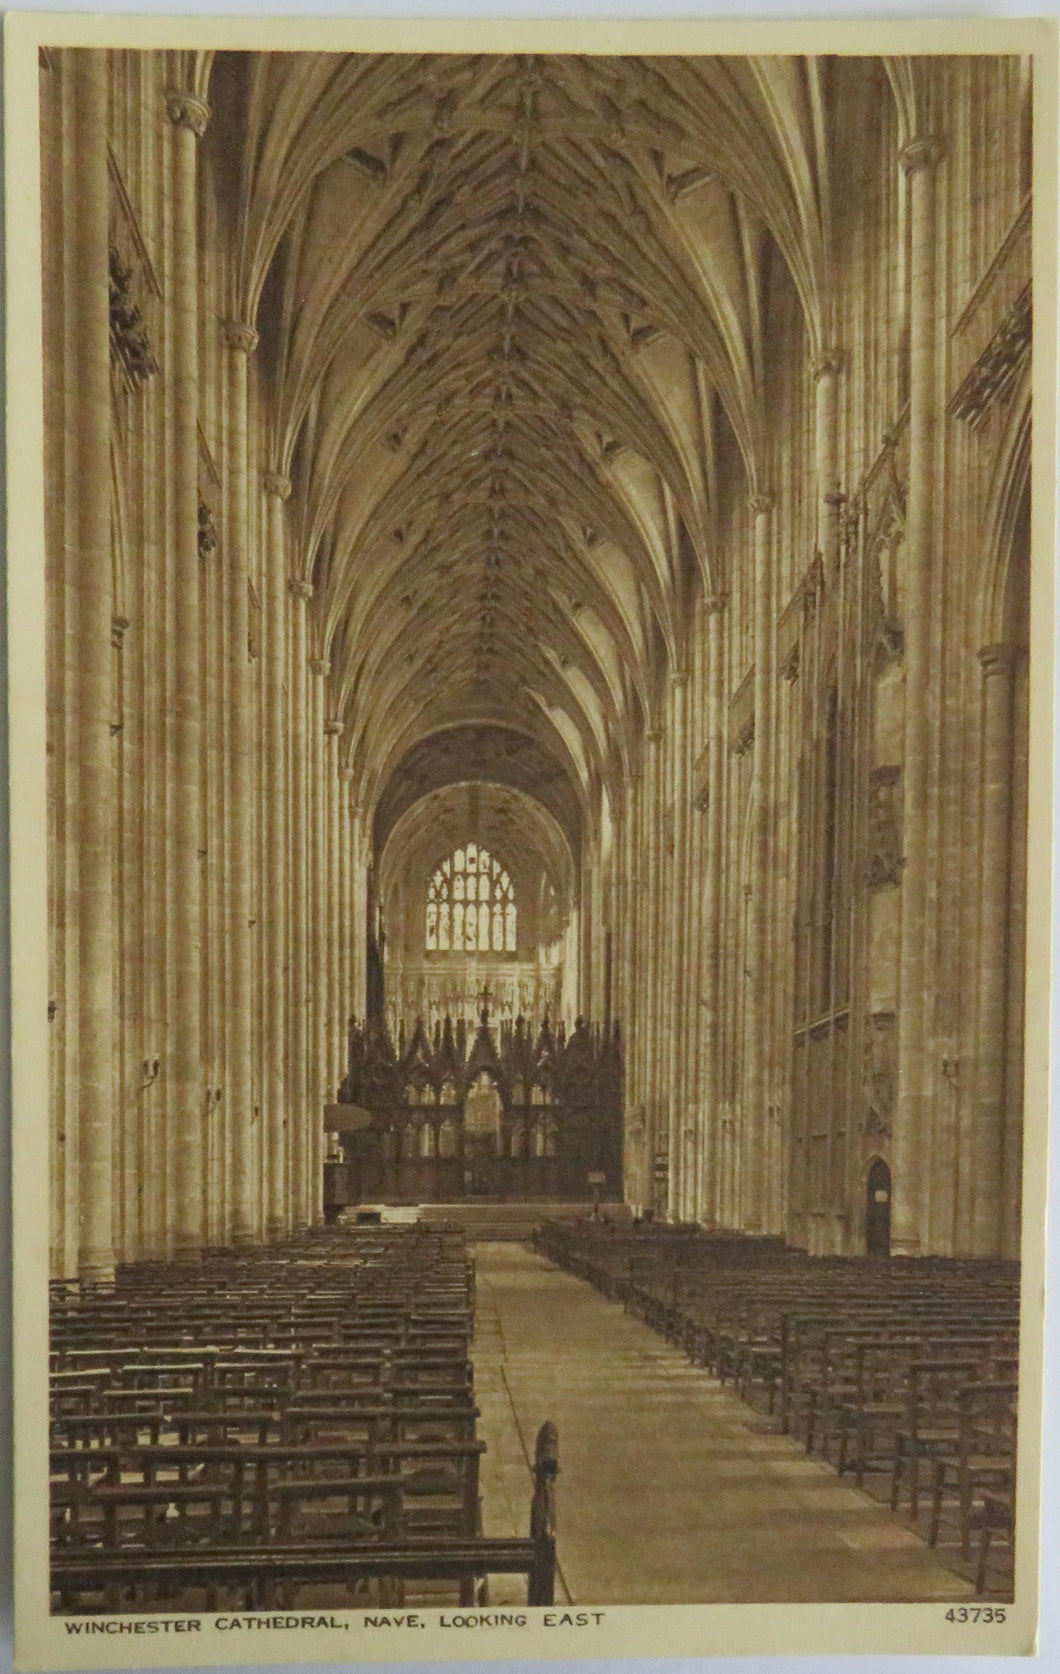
x=532, y=595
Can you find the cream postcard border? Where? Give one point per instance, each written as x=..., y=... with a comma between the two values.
x=42, y=1642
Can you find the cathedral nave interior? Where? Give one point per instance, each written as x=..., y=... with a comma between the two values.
x=537, y=586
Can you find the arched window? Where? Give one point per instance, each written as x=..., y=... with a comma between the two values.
x=471, y=905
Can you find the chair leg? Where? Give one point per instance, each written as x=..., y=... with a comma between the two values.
x=984, y=1550
x=936, y=1505
x=896, y=1475
x=965, y=1495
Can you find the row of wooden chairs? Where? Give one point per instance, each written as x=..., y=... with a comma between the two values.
x=310, y=1405
x=903, y=1374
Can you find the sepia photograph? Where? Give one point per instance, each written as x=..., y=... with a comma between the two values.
x=532, y=603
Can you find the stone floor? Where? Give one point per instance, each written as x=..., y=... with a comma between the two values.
x=670, y=1491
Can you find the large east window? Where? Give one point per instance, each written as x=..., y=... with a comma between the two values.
x=471, y=905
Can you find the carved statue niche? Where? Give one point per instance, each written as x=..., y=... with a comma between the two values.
x=881, y=1074
x=885, y=860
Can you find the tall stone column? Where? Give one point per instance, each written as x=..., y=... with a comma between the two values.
x=651, y=973
x=696, y=928
x=241, y=340
x=713, y=905
x=88, y=439
x=346, y=914
x=318, y=962
x=359, y=855
x=185, y=1076
x=991, y=1033
x=298, y=1105
x=755, y=1116
x=826, y=368
x=617, y=902
x=675, y=1022
x=274, y=854
x=332, y=901
x=911, y=1137
x=633, y=997
x=357, y=911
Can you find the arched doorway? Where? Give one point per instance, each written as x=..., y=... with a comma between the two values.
x=878, y=1210
x=483, y=1134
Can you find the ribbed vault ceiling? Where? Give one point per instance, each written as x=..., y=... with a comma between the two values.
x=510, y=305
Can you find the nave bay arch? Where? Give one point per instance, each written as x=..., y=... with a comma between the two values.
x=480, y=1079
x=536, y=977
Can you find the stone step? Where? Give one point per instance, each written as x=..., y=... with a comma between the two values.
x=484, y=1222
x=510, y=1222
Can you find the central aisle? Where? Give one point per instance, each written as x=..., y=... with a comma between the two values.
x=668, y=1492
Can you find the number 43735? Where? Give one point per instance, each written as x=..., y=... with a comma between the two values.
x=976, y=1613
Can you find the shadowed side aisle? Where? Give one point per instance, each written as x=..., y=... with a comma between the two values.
x=667, y=1492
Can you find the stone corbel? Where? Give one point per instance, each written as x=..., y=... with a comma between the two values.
x=924, y=152
x=185, y=110
x=239, y=336
x=827, y=364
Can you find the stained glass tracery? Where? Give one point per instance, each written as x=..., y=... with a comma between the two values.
x=471, y=905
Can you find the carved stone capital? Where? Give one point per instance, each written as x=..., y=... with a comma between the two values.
x=300, y=589
x=997, y=659
x=333, y=729
x=346, y=775
x=680, y=676
x=274, y=482
x=924, y=152
x=185, y=110
x=654, y=736
x=715, y=603
x=240, y=336
x=320, y=665
x=761, y=502
x=829, y=363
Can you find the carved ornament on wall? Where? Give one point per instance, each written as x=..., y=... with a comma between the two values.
x=207, y=531
x=995, y=372
x=885, y=860
x=886, y=637
x=130, y=346
x=881, y=1074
